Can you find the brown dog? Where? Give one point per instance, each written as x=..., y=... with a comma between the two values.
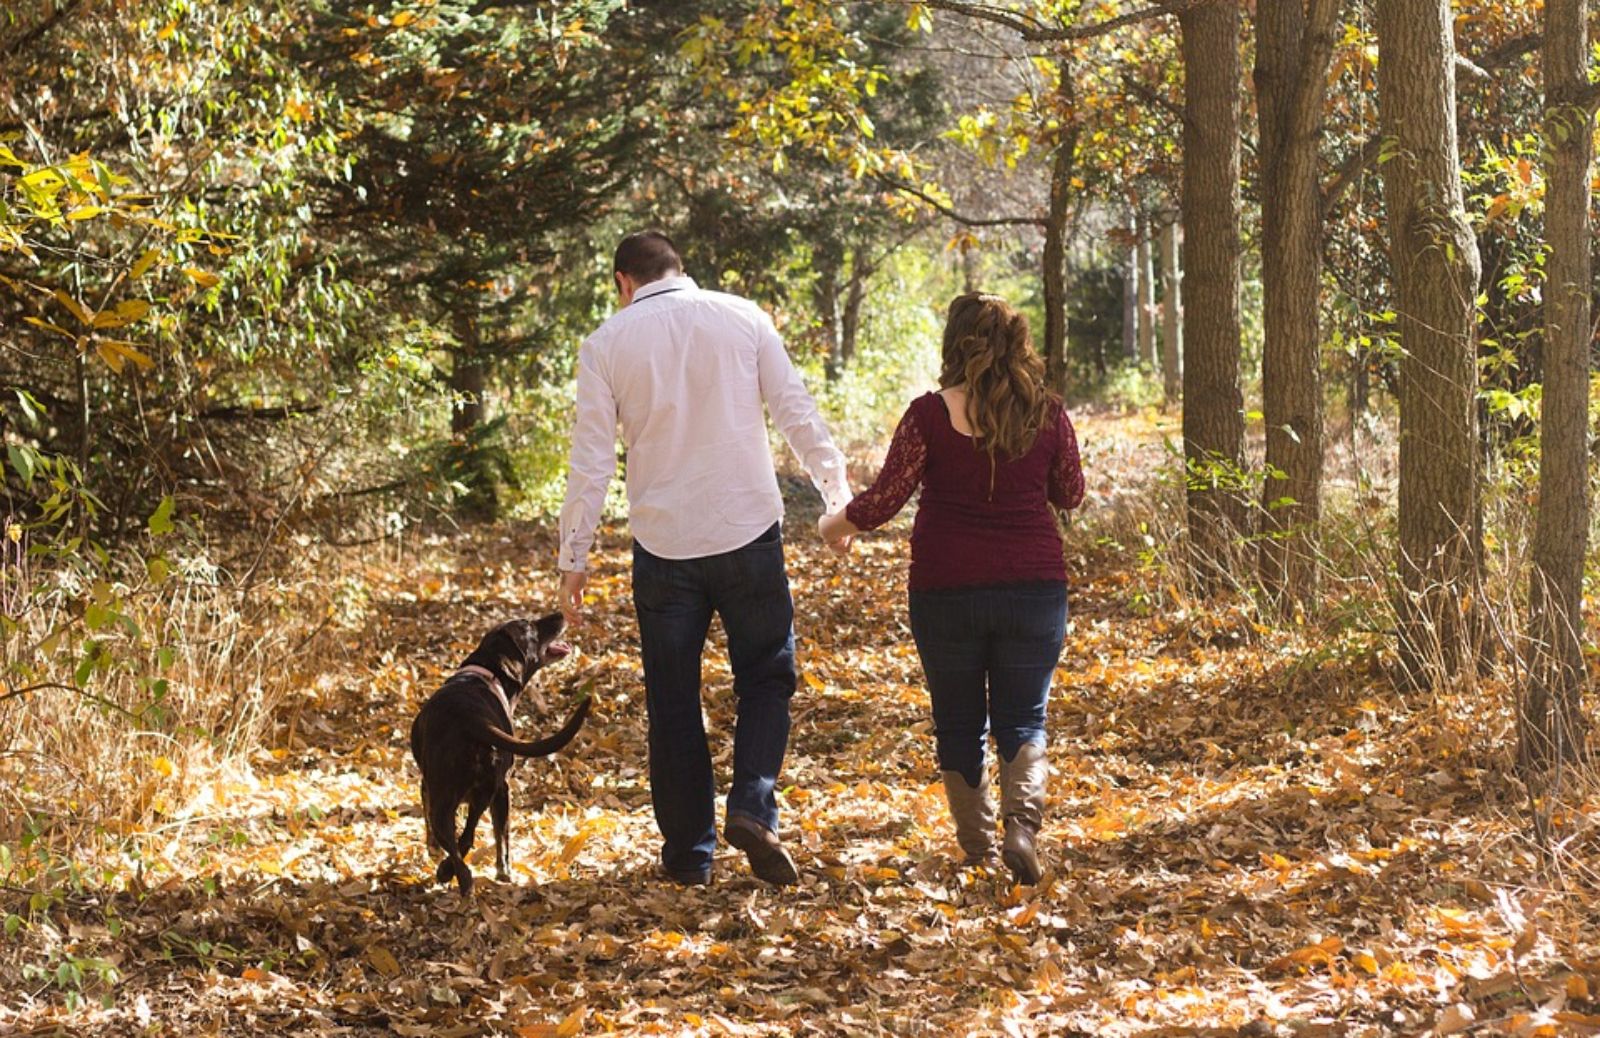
x=462, y=739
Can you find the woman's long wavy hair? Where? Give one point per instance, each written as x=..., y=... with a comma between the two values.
x=989, y=350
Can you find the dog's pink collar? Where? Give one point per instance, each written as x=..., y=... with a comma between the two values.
x=494, y=685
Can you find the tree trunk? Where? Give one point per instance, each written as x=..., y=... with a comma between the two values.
x=467, y=376
x=1552, y=727
x=850, y=314
x=969, y=268
x=1171, y=315
x=1213, y=411
x=1147, y=299
x=468, y=379
x=1130, y=298
x=825, y=299
x=1434, y=258
x=1054, y=274
x=1293, y=48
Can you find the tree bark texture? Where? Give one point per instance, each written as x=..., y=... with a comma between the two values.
x=1434, y=257
x=1130, y=297
x=850, y=314
x=1171, y=315
x=467, y=376
x=1552, y=727
x=1213, y=406
x=1055, y=245
x=1147, y=298
x=468, y=380
x=1294, y=43
x=825, y=299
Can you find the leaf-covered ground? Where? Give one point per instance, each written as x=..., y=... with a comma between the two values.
x=1249, y=833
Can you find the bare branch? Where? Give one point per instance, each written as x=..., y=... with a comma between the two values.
x=1034, y=31
x=1348, y=172
x=969, y=221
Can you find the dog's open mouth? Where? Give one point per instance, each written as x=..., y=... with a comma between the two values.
x=557, y=650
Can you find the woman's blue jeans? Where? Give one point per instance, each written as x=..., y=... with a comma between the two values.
x=988, y=654
x=674, y=598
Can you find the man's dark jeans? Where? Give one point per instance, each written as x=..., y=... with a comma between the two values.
x=988, y=654
x=674, y=599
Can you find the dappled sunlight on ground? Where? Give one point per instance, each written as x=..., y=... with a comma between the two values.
x=1245, y=836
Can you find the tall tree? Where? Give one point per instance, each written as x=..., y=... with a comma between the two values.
x=1294, y=43
x=1434, y=258
x=1552, y=726
x=1171, y=315
x=1213, y=411
x=1147, y=296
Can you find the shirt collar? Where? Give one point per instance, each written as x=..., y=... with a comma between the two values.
x=672, y=284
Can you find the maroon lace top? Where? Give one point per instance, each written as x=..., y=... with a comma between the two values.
x=978, y=521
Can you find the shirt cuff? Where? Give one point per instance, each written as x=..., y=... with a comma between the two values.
x=829, y=477
x=571, y=560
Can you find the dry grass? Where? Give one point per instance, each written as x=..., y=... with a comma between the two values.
x=190, y=671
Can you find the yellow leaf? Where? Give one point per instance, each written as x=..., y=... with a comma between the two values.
x=813, y=681
x=1366, y=962
x=383, y=960
x=403, y=19
x=73, y=306
x=574, y=845
x=161, y=765
x=117, y=353
x=203, y=278
x=47, y=326
x=84, y=212
x=571, y=1023
x=142, y=265
x=127, y=312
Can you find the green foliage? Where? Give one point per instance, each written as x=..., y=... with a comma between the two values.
x=899, y=353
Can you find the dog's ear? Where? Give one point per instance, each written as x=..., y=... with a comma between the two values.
x=550, y=627
x=515, y=670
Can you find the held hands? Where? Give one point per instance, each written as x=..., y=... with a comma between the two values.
x=838, y=531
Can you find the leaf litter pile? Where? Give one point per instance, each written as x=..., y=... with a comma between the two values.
x=1248, y=832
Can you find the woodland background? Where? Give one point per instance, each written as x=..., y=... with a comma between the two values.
x=290, y=300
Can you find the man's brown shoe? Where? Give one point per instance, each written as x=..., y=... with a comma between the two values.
x=768, y=859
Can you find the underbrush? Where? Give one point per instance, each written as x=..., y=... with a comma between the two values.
x=1460, y=725
x=129, y=680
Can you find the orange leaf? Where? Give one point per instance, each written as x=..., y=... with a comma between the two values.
x=1319, y=954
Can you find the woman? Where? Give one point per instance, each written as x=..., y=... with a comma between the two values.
x=993, y=450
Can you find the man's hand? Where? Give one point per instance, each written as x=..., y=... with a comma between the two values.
x=838, y=531
x=571, y=596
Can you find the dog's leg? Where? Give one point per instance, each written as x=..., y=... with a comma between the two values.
x=500, y=815
x=442, y=822
x=469, y=833
x=427, y=818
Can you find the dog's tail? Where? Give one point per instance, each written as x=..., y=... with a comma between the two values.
x=539, y=747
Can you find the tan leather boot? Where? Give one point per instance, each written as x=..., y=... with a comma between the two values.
x=1022, y=782
x=973, y=813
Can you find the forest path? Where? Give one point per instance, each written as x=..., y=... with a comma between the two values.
x=1244, y=837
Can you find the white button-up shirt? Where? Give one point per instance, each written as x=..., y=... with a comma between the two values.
x=685, y=372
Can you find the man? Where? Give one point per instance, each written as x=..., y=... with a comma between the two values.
x=685, y=372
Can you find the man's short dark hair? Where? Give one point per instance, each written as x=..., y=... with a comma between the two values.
x=647, y=256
